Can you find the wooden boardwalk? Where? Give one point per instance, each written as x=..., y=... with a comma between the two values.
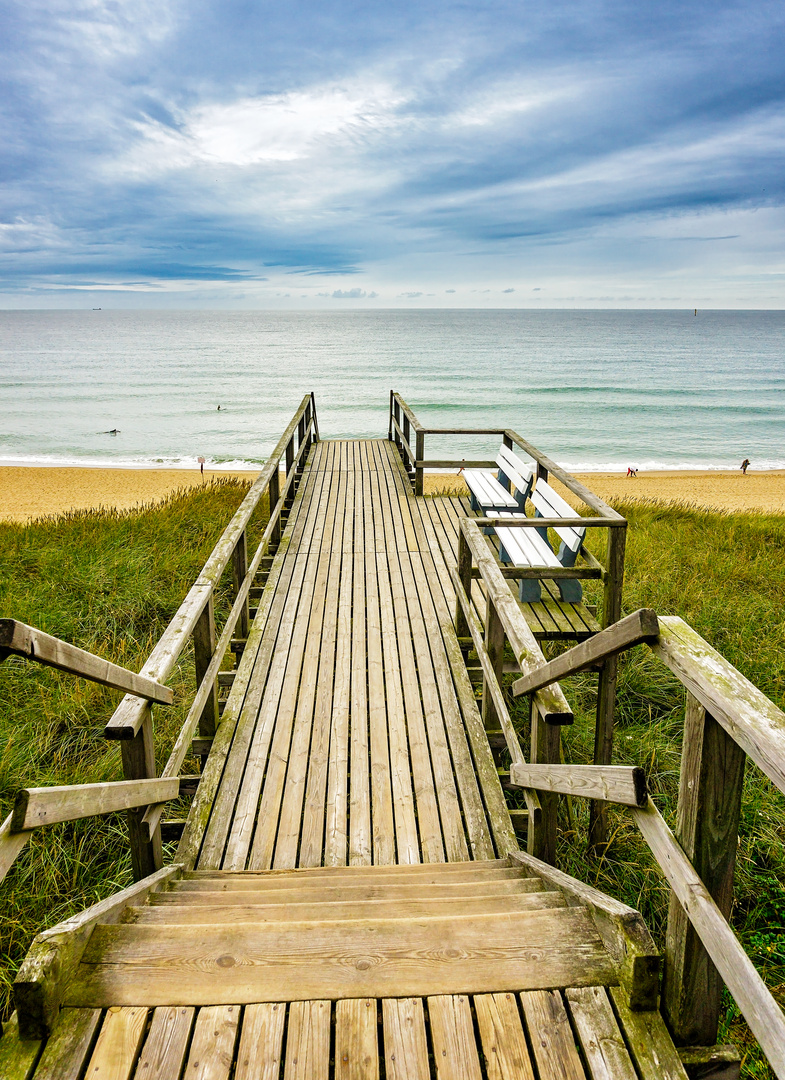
x=353, y=902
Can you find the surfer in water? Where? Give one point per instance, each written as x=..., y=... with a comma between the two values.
x=114, y=431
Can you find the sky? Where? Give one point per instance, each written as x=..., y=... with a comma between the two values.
x=334, y=154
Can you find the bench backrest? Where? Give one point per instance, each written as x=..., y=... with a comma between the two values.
x=550, y=504
x=512, y=468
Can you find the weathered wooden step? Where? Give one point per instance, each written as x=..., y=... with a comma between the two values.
x=181, y=893
x=206, y=913
x=132, y=964
x=486, y=870
x=238, y=883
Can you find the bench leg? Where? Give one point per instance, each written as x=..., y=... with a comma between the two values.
x=529, y=591
x=570, y=590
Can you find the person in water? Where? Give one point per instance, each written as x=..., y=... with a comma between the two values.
x=745, y=465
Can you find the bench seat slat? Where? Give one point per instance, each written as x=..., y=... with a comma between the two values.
x=550, y=504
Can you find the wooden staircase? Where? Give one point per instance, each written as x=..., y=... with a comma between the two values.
x=351, y=932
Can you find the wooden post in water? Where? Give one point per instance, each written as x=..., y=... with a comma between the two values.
x=545, y=750
x=419, y=454
x=606, y=690
x=239, y=570
x=707, y=827
x=204, y=647
x=138, y=757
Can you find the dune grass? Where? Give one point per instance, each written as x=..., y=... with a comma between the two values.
x=110, y=582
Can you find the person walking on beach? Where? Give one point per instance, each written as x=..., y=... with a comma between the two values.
x=745, y=465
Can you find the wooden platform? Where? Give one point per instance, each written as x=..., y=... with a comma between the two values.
x=351, y=910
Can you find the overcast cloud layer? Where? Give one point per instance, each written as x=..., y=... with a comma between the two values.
x=333, y=154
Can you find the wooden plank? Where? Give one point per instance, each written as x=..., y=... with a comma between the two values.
x=641, y=626
x=165, y=1047
x=308, y=1041
x=621, y=928
x=602, y=1042
x=18, y=1056
x=118, y=1044
x=204, y=650
x=212, y=1046
x=550, y=1036
x=55, y=953
x=368, y=744
x=711, y=781
x=356, y=1040
x=35, y=807
x=405, y=1045
x=69, y=1045
x=366, y=958
x=11, y=844
x=407, y=841
x=648, y=1040
x=545, y=750
x=624, y=784
x=23, y=640
x=503, y=1040
x=206, y=913
x=452, y=1033
x=758, y=1007
x=261, y=1042
x=748, y=716
x=351, y=894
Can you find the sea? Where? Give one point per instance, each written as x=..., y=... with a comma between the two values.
x=595, y=390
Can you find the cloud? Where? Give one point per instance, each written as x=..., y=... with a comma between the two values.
x=410, y=295
x=352, y=294
x=449, y=290
x=508, y=290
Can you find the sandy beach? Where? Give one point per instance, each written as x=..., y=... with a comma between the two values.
x=30, y=492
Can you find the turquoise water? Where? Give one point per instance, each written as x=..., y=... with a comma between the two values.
x=593, y=389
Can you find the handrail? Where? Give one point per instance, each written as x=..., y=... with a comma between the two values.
x=128, y=717
x=19, y=639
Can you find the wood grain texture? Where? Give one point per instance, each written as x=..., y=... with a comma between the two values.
x=405, y=1043
x=308, y=1041
x=18, y=1056
x=35, y=807
x=356, y=1039
x=164, y=1050
x=261, y=1042
x=503, y=1040
x=648, y=1040
x=624, y=784
x=550, y=1034
x=212, y=1046
x=118, y=1044
x=602, y=1042
x=69, y=1045
x=369, y=958
x=452, y=1035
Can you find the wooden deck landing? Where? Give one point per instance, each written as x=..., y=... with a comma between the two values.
x=352, y=911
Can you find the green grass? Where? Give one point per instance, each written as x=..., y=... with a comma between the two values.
x=725, y=575
x=111, y=582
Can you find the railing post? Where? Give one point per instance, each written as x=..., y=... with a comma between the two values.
x=494, y=645
x=239, y=570
x=390, y=418
x=707, y=827
x=407, y=434
x=397, y=415
x=300, y=440
x=204, y=647
x=465, y=574
x=273, y=495
x=419, y=453
x=138, y=757
x=606, y=690
x=289, y=457
x=545, y=750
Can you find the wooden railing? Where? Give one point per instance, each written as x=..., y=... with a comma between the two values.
x=726, y=720
x=143, y=793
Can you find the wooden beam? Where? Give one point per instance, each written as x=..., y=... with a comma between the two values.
x=745, y=712
x=622, y=929
x=11, y=844
x=753, y=997
x=23, y=640
x=707, y=828
x=623, y=784
x=35, y=807
x=641, y=626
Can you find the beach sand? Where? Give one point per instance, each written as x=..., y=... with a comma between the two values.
x=30, y=492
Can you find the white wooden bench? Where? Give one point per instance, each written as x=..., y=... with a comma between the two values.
x=489, y=492
x=531, y=547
